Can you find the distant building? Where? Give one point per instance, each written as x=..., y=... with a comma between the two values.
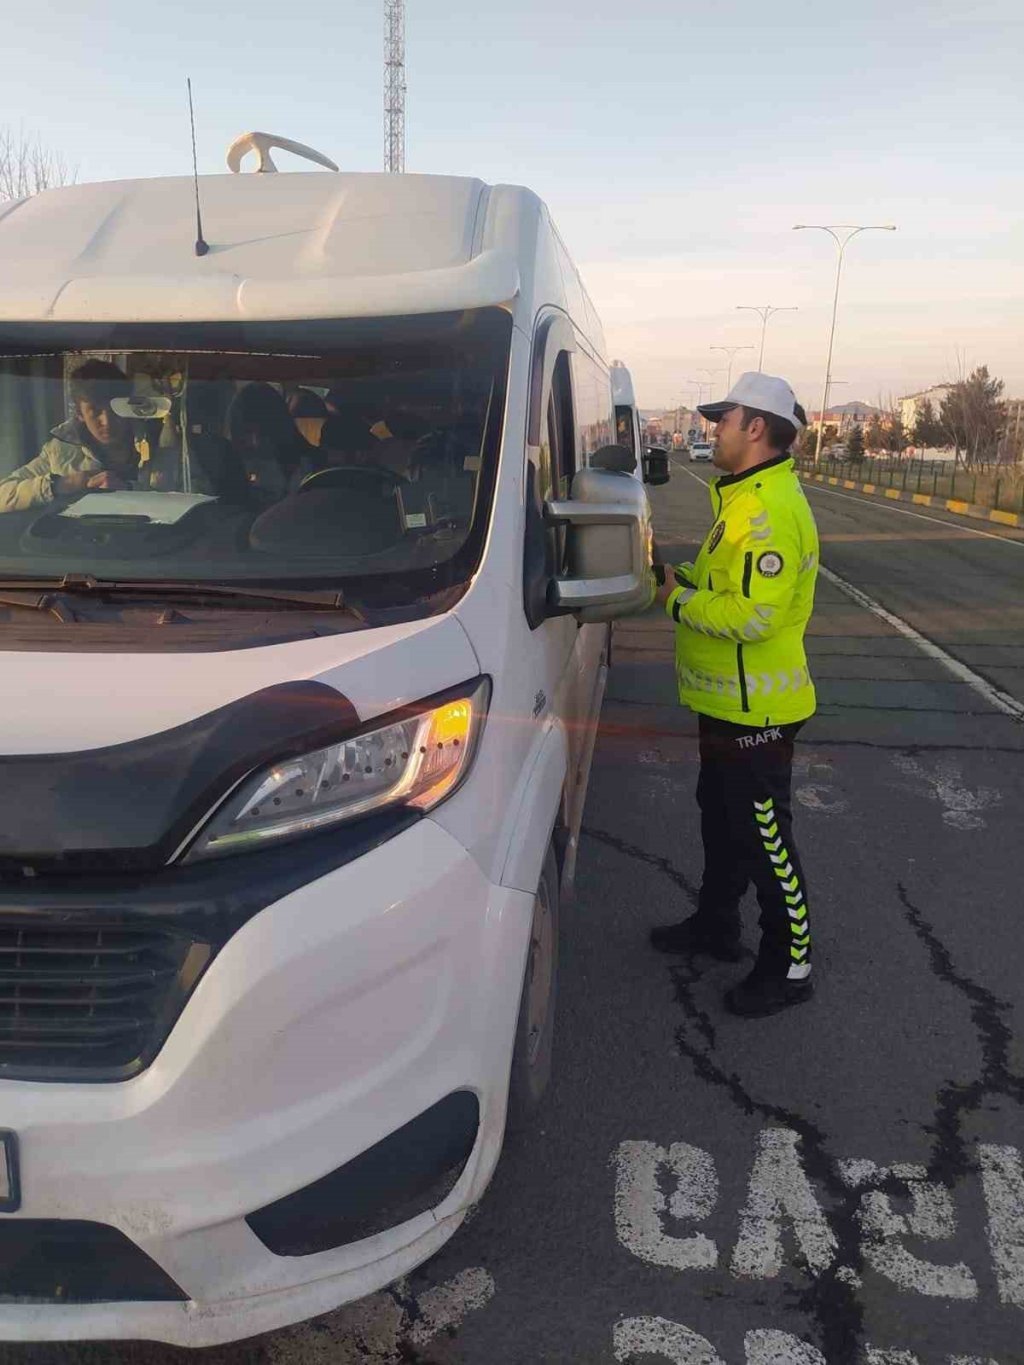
x=1012, y=444
x=669, y=421
x=845, y=416
x=911, y=404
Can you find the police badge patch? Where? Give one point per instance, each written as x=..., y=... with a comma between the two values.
x=769, y=565
x=715, y=538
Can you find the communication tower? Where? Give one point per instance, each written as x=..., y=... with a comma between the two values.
x=394, y=86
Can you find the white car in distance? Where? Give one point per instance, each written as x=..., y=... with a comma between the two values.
x=701, y=451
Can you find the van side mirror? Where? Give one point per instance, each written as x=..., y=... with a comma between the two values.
x=609, y=543
x=655, y=465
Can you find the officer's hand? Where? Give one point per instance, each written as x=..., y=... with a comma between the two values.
x=669, y=584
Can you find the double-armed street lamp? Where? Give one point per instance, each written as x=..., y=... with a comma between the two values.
x=841, y=234
x=764, y=312
x=732, y=352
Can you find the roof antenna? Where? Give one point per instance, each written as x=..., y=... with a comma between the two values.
x=202, y=246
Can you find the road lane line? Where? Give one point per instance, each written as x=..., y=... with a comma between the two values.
x=904, y=512
x=887, y=506
x=996, y=698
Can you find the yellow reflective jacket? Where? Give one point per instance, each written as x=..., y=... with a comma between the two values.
x=742, y=609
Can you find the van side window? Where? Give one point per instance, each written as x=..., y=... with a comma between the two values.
x=558, y=444
x=624, y=428
x=595, y=415
x=562, y=427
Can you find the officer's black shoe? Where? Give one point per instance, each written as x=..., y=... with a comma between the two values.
x=759, y=995
x=691, y=936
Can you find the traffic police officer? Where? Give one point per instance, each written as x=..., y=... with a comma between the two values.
x=740, y=612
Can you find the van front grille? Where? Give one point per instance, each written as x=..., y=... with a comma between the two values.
x=89, y=1000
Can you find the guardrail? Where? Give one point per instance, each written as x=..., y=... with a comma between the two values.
x=999, y=489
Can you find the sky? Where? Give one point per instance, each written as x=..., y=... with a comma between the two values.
x=676, y=145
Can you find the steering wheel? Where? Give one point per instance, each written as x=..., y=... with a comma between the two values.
x=356, y=478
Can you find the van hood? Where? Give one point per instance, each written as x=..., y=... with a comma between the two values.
x=57, y=703
x=114, y=762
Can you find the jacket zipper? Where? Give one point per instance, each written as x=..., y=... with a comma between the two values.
x=748, y=568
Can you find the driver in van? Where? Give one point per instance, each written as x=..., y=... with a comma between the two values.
x=91, y=452
x=272, y=454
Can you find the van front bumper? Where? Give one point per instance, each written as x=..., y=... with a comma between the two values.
x=337, y=1017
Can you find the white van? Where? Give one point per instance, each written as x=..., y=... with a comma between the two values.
x=302, y=583
x=651, y=462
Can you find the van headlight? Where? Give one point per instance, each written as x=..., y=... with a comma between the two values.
x=416, y=760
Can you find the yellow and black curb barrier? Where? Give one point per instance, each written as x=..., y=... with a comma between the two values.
x=961, y=509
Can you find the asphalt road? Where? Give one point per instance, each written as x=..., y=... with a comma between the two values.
x=842, y=1183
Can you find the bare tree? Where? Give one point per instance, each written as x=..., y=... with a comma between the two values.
x=974, y=414
x=28, y=166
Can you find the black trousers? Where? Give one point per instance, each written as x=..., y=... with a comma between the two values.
x=746, y=823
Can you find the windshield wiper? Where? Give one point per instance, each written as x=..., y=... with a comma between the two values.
x=330, y=598
x=43, y=601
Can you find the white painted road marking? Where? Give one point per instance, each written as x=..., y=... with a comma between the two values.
x=781, y=1200
x=943, y=782
x=658, y=1336
x=931, y=1217
x=780, y=1348
x=779, y=1192
x=820, y=793
x=681, y=1345
x=445, y=1305
x=640, y=1204
x=1002, y=1179
x=378, y=1330
x=996, y=698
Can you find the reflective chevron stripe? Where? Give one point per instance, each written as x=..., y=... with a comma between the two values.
x=796, y=908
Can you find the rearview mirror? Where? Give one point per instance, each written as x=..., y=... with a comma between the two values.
x=655, y=465
x=609, y=541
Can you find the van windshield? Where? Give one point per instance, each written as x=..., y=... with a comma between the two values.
x=357, y=454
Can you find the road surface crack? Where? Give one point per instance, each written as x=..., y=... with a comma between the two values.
x=628, y=850
x=959, y=1099
x=829, y=1301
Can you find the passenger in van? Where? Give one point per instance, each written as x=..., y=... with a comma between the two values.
x=273, y=455
x=90, y=452
x=346, y=440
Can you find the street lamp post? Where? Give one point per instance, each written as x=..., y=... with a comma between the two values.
x=828, y=399
x=731, y=352
x=764, y=313
x=712, y=375
x=842, y=234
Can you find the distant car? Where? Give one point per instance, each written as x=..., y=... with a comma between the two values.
x=701, y=451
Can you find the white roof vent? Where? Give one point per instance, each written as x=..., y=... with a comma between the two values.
x=261, y=143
